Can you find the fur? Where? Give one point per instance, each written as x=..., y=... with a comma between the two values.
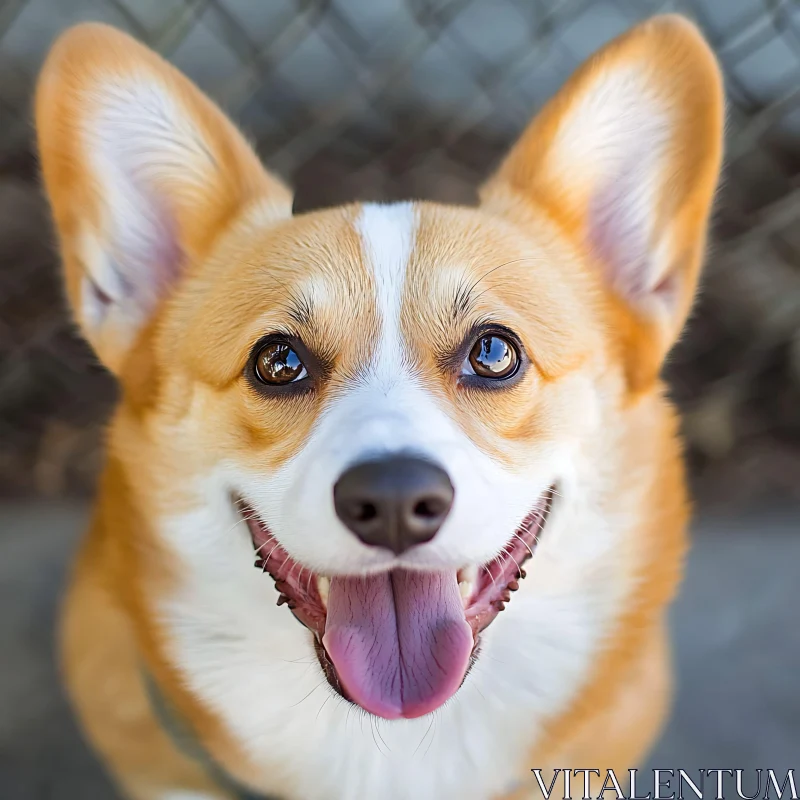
x=180, y=251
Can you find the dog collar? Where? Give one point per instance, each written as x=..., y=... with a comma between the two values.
x=187, y=742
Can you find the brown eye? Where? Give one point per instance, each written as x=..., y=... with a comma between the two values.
x=493, y=356
x=278, y=364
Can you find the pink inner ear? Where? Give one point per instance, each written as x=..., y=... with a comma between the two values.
x=619, y=226
x=150, y=224
x=138, y=149
x=147, y=253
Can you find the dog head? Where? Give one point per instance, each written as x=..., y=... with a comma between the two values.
x=386, y=407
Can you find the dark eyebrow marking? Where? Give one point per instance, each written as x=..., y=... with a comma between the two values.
x=463, y=302
x=301, y=311
x=466, y=297
x=304, y=327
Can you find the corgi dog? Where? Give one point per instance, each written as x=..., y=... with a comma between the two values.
x=393, y=504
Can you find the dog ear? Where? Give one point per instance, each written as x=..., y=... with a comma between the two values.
x=143, y=172
x=625, y=159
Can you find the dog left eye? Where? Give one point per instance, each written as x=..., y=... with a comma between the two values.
x=492, y=356
x=278, y=364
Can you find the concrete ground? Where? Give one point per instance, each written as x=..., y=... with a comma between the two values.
x=735, y=628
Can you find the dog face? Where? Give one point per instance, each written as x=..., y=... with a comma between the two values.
x=386, y=407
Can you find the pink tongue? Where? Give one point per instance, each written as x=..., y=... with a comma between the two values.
x=399, y=640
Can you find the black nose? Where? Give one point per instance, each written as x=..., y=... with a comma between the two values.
x=394, y=502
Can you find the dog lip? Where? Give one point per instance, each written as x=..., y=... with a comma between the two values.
x=298, y=586
x=497, y=580
x=492, y=583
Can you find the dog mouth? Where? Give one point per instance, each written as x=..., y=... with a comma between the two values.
x=399, y=643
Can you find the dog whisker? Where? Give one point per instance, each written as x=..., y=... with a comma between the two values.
x=519, y=536
x=509, y=554
x=330, y=694
x=264, y=544
x=239, y=522
x=433, y=736
x=383, y=741
x=374, y=739
x=424, y=736
x=324, y=680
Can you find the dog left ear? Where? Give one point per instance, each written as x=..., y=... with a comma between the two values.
x=144, y=175
x=625, y=159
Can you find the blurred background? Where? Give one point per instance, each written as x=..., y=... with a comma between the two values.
x=391, y=99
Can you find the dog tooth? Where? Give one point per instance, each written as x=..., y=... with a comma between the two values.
x=465, y=588
x=467, y=575
x=324, y=589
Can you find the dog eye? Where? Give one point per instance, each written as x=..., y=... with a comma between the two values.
x=492, y=356
x=277, y=364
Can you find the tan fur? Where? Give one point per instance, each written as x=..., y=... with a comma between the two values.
x=247, y=261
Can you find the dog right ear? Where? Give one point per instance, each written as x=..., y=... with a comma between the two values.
x=625, y=160
x=143, y=172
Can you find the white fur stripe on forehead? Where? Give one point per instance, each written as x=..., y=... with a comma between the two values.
x=387, y=235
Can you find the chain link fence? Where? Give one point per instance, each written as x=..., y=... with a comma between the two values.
x=391, y=99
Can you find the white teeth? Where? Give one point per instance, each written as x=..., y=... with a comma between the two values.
x=466, y=577
x=324, y=589
x=468, y=574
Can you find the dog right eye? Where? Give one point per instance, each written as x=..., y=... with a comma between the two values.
x=277, y=364
x=494, y=357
